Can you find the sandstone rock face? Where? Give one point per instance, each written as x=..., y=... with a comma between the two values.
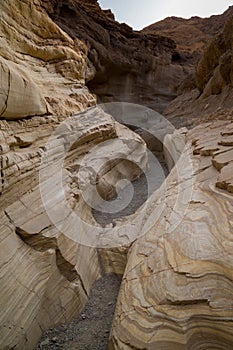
x=177, y=286
x=47, y=268
x=42, y=70
x=20, y=96
x=124, y=65
x=46, y=274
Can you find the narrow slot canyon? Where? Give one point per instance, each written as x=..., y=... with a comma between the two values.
x=116, y=178
x=90, y=330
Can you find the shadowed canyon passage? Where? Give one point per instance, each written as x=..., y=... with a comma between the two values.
x=91, y=329
x=61, y=155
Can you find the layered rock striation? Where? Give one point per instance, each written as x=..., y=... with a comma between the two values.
x=42, y=68
x=47, y=274
x=178, y=284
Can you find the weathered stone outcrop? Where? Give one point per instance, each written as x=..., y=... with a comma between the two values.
x=42, y=70
x=20, y=96
x=213, y=80
x=215, y=69
x=178, y=285
x=46, y=274
x=48, y=263
x=124, y=65
x=190, y=35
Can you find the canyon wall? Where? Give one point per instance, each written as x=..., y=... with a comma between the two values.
x=178, y=284
x=46, y=273
x=50, y=52
x=212, y=90
x=128, y=65
x=42, y=68
x=190, y=35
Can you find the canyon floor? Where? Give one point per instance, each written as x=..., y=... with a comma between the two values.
x=90, y=330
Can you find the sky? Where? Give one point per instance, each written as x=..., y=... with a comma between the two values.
x=141, y=13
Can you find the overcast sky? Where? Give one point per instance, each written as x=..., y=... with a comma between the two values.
x=140, y=13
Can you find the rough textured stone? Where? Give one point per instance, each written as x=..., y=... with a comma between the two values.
x=46, y=276
x=213, y=79
x=51, y=273
x=20, y=97
x=42, y=70
x=177, y=286
x=191, y=35
x=128, y=65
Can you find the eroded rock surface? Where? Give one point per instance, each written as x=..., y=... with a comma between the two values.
x=213, y=80
x=178, y=285
x=50, y=267
x=42, y=70
x=190, y=35
x=46, y=276
x=124, y=65
x=48, y=263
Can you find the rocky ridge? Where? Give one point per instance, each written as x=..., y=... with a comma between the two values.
x=213, y=76
x=190, y=35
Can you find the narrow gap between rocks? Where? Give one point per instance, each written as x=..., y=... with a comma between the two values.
x=90, y=330
x=141, y=190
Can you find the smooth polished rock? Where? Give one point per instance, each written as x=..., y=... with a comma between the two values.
x=42, y=70
x=48, y=263
x=177, y=288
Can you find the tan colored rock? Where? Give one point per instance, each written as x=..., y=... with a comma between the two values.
x=47, y=268
x=47, y=275
x=222, y=159
x=225, y=180
x=177, y=287
x=49, y=258
x=173, y=147
x=20, y=96
x=42, y=69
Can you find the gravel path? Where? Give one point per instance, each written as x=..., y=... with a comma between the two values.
x=90, y=330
